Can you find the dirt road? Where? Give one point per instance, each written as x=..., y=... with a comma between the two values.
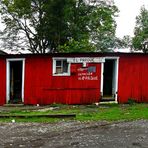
x=75, y=134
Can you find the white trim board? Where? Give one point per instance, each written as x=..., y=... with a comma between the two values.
x=8, y=77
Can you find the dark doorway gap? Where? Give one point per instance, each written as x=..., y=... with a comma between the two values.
x=16, y=81
x=108, y=78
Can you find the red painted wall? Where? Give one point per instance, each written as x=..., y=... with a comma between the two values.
x=43, y=88
x=2, y=81
x=133, y=78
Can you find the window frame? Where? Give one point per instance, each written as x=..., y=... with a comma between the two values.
x=54, y=67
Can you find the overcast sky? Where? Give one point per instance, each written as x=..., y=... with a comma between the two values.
x=129, y=9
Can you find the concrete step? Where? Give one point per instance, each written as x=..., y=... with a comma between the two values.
x=108, y=102
x=13, y=105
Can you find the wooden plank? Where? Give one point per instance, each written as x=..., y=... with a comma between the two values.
x=40, y=116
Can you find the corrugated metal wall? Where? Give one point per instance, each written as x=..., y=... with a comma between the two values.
x=43, y=88
x=133, y=78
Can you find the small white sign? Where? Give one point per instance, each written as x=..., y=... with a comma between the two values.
x=86, y=60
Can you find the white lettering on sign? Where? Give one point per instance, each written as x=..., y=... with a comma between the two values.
x=88, y=78
x=84, y=74
x=86, y=60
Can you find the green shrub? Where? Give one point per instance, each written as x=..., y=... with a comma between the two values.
x=131, y=101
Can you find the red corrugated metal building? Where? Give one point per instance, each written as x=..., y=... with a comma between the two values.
x=78, y=78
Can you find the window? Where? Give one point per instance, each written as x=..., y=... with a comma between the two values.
x=61, y=67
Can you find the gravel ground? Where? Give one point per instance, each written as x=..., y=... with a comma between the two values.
x=75, y=134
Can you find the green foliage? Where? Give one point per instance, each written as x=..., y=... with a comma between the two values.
x=141, y=30
x=126, y=41
x=131, y=101
x=43, y=25
x=77, y=46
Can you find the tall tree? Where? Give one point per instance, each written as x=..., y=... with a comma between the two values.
x=44, y=25
x=141, y=30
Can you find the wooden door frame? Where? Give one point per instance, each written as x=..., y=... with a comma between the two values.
x=116, y=76
x=8, y=77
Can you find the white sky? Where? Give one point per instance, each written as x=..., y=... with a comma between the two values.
x=129, y=9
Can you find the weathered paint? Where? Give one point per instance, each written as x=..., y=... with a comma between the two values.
x=2, y=81
x=43, y=88
x=133, y=78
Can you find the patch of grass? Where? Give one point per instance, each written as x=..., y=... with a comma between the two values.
x=109, y=112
